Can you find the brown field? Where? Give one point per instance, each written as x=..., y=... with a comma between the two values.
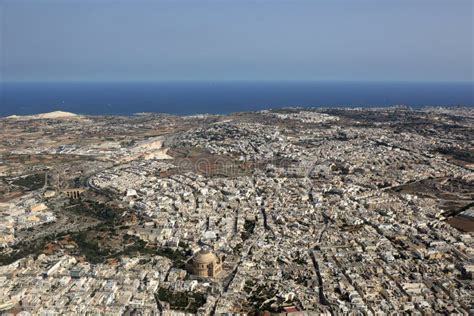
x=462, y=223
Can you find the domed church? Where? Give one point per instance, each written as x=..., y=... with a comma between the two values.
x=205, y=264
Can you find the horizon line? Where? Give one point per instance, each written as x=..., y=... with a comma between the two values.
x=236, y=80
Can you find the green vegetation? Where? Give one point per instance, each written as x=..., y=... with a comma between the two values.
x=139, y=247
x=101, y=242
x=178, y=256
x=249, y=227
x=22, y=250
x=90, y=248
x=97, y=253
x=31, y=182
x=259, y=294
x=184, y=301
x=464, y=155
x=100, y=211
x=300, y=260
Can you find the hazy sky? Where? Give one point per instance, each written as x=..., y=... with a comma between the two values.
x=414, y=40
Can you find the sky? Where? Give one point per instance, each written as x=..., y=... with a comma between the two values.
x=327, y=40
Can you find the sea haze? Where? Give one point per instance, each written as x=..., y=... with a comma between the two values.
x=186, y=97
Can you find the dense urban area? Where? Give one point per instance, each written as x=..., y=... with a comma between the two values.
x=293, y=211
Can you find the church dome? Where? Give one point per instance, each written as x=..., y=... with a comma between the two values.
x=205, y=256
x=205, y=263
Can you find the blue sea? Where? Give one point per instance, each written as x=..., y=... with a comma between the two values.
x=182, y=98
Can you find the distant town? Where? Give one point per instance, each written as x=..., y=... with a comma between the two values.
x=295, y=211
